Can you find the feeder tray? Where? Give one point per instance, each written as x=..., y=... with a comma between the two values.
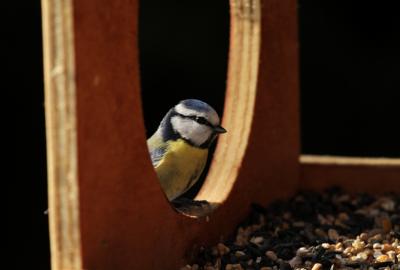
x=106, y=208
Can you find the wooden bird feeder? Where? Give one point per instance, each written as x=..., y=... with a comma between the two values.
x=107, y=210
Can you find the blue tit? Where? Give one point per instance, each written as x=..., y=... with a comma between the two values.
x=179, y=147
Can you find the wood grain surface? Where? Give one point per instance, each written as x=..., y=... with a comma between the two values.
x=117, y=215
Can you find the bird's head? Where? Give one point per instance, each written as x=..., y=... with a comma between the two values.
x=196, y=122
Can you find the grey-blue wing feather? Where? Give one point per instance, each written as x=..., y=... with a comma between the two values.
x=157, y=147
x=157, y=154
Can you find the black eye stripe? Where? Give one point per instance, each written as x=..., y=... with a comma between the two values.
x=201, y=120
x=198, y=119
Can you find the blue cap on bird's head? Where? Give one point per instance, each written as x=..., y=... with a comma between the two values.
x=197, y=105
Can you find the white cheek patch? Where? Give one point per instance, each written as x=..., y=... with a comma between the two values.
x=211, y=115
x=191, y=130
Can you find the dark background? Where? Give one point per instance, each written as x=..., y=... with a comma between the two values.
x=350, y=77
x=350, y=64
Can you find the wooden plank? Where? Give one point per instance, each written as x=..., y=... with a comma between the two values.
x=125, y=221
x=356, y=174
x=61, y=138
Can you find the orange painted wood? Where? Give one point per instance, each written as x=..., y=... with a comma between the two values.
x=374, y=175
x=125, y=220
x=107, y=210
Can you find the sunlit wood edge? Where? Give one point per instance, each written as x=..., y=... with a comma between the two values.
x=348, y=161
x=243, y=64
x=61, y=138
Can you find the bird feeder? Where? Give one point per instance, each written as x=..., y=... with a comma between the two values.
x=106, y=208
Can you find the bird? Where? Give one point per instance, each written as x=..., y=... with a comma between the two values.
x=179, y=147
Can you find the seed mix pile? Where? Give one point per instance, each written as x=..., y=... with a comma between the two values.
x=313, y=231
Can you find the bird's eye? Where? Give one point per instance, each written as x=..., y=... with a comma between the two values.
x=201, y=120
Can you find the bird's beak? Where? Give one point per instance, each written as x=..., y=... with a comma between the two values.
x=219, y=129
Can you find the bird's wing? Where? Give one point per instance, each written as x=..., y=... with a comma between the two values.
x=157, y=154
x=157, y=148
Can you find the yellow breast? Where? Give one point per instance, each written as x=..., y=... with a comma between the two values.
x=180, y=168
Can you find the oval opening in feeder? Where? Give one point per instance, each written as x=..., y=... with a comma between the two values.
x=183, y=56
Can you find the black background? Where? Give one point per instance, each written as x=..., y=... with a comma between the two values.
x=350, y=64
x=26, y=233
x=350, y=80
